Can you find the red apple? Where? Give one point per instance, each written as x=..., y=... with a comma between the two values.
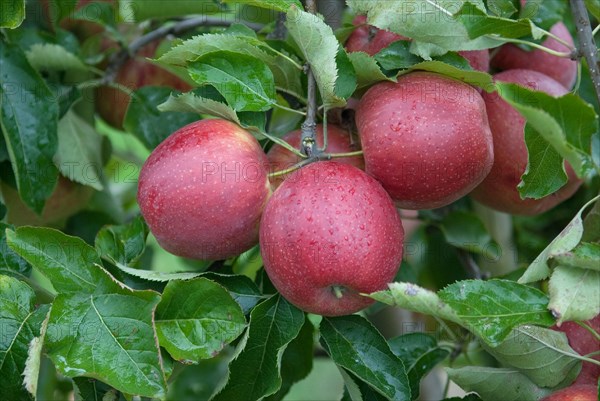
x=563, y=70
x=499, y=189
x=203, y=189
x=331, y=230
x=574, y=393
x=338, y=141
x=425, y=138
x=371, y=40
x=111, y=103
x=584, y=342
x=67, y=199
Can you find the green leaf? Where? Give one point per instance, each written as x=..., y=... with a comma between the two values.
x=244, y=81
x=272, y=5
x=346, y=82
x=450, y=68
x=85, y=389
x=28, y=118
x=78, y=157
x=497, y=383
x=11, y=264
x=147, y=123
x=12, y=13
x=367, y=70
x=319, y=47
x=19, y=327
x=564, y=242
x=591, y=223
x=141, y=10
x=241, y=288
x=574, y=293
x=191, y=103
x=152, y=275
x=543, y=355
x=31, y=374
x=397, y=55
x=586, y=255
x=297, y=360
x=412, y=297
x=420, y=353
x=123, y=244
x=255, y=372
x=52, y=57
x=545, y=13
x=593, y=7
x=99, y=12
x=358, y=390
x=196, y=319
x=432, y=27
x=502, y=8
x=466, y=231
x=68, y=262
x=567, y=123
x=354, y=344
x=491, y=309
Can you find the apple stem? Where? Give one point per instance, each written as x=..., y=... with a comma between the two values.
x=312, y=159
x=338, y=291
x=587, y=46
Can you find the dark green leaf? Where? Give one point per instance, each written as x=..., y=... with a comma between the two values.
x=28, y=118
x=18, y=330
x=196, y=319
x=591, y=224
x=454, y=66
x=86, y=389
x=255, y=372
x=244, y=81
x=543, y=355
x=2, y=210
x=397, y=56
x=11, y=263
x=544, y=13
x=52, y=57
x=242, y=289
x=147, y=123
x=478, y=24
x=12, y=13
x=123, y=244
x=97, y=11
x=420, y=353
x=466, y=231
x=497, y=383
x=491, y=309
x=346, y=80
x=367, y=70
x=502, y=8
x=356, y=389
x=297, y=360
x=272, y=5
x=593, y=7
x=142, y=10
x=574, y=293
x=354, y=344
x=586, y=255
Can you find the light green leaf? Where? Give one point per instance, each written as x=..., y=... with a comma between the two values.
x=244, y=81
x=491, y=309
x=191, y=103
x=272, y=5
x=152, y=275
x=417, y=299
x=354, y=344
x=586, y=255
x=12, y=13
x=28, y=118
x=543, y=355
x=564, y=242
x=123, y=244
x=319, y=47
x=367, y=70
x=53, y=57
x=255, y=372
x=31, y=374
x=574, y=293
x=11, y=264
x=497, y=383
x=196, y=319
x=19, y=327
x=78, y=157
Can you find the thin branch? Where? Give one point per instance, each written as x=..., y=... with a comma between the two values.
x=118, y=59
x=469, y=264
x=280, y=30
x=308, y=139
x=587, y=46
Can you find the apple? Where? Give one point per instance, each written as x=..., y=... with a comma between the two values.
x=426, y=138
x=584, y=342
x=203, y=189
x=338, y=141
x=563, y=70
x=111, y=103
x=328, y=236
x=68, y=198
x=371, y=40
x=574, y=393
x=499, y=189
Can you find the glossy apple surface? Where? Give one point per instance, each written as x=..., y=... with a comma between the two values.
x=338, y=141
x=499, y=189
x=563, y=70
x=68, y=198
x=331, y=227
x=425, y=138
x=574, y=393
x=111, y=103
x=203, y=189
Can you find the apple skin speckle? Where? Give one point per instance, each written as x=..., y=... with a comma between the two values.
x=426, y=138
x=332, y=225
x=203, y=189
